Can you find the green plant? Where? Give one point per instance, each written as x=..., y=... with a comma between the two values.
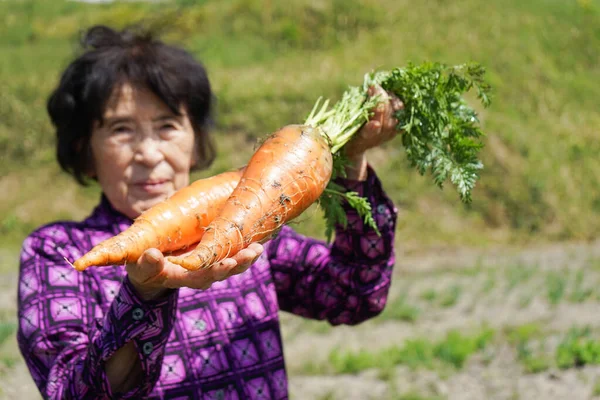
x=451, y=351
x=518, y=274
x=350, y=363
x=578, y=349
x=456, y=348
x=400, y=309
x=523, y=333
x=579, y=292
x=532, y=363
x=268, y=64
x=556, y=286
x=449, y=297
x=7, y=328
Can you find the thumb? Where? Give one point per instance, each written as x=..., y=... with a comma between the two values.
x=152, y=257
x=149, y=265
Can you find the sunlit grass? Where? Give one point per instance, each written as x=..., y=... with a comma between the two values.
x=270, y=61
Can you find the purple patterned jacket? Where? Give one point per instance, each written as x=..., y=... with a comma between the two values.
x=222, y=343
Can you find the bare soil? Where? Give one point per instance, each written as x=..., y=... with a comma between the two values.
x=497, y=288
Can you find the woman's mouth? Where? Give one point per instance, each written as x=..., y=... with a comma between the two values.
x=153, y=186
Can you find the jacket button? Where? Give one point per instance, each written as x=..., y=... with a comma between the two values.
x=147, y=348
x=137, y=314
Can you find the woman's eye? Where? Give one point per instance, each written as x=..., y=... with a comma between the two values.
x=168, y=130
x=121, y=129
x=167, y=127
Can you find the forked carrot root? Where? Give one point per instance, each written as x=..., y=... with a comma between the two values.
x=285, y=176
x=171, y=225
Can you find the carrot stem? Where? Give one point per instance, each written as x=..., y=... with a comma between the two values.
x=440, y=130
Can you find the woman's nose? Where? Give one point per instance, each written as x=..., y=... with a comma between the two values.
x=148, y=152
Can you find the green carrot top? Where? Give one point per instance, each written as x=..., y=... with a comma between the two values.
x=440, y=131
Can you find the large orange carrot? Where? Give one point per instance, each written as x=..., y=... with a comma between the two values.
x=284, y=177
x=171, y=225
x=288, y=173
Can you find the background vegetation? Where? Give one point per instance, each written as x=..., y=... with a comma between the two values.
x=488, y=324
x=270, y=60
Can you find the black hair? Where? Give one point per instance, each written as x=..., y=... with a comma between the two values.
x=111, y=58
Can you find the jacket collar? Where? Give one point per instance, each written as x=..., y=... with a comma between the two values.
x=105, y=215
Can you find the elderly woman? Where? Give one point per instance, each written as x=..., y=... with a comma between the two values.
x=134, y=114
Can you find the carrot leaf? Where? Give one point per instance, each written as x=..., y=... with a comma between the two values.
x=333, y=211
x=331, y=203
x=440, y=131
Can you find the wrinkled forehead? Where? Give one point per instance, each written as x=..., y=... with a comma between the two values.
x=127, y=99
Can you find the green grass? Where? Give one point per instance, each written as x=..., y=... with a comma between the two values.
x=450, y=352
x=517, y=275
x=269, y=61
x=596, y=389
x=532, y=343
x=429, y=295
x=489, y=283
x=578, y=348
x=532, y=363
x=400, y=309
x=528, y=341
x=580, y=291
x=556, y=284
x=450, y=296
x=9, y=352
x=523, y=333
x=7, y=329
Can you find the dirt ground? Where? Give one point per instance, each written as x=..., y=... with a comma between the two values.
x=497, y=288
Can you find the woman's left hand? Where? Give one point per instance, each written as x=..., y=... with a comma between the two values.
x=381, y=126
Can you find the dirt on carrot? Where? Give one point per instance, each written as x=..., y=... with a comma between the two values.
x=171, y=225
x=285, y=176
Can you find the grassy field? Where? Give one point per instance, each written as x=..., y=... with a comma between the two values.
x=456, y=327
x=510, y=325
x=269, y=62
x=516, y=327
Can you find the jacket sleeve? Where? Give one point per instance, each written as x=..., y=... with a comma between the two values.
x=345, y=282
x=66, y=338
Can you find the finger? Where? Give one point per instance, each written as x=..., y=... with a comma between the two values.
x=372, y=90
x=177, y=276
x=372, y=128
x=380, y=108
x=244, y=255
x=257, y=248
x=247, y=259
x=239, y=269
x=377, y=90
x=390, y=123
x=221, y=270
x=380, y=112
x=397, y=104
x=149, y=266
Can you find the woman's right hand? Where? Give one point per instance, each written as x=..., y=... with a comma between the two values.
x=153, y=275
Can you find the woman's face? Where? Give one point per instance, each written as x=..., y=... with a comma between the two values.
x=142, y=153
